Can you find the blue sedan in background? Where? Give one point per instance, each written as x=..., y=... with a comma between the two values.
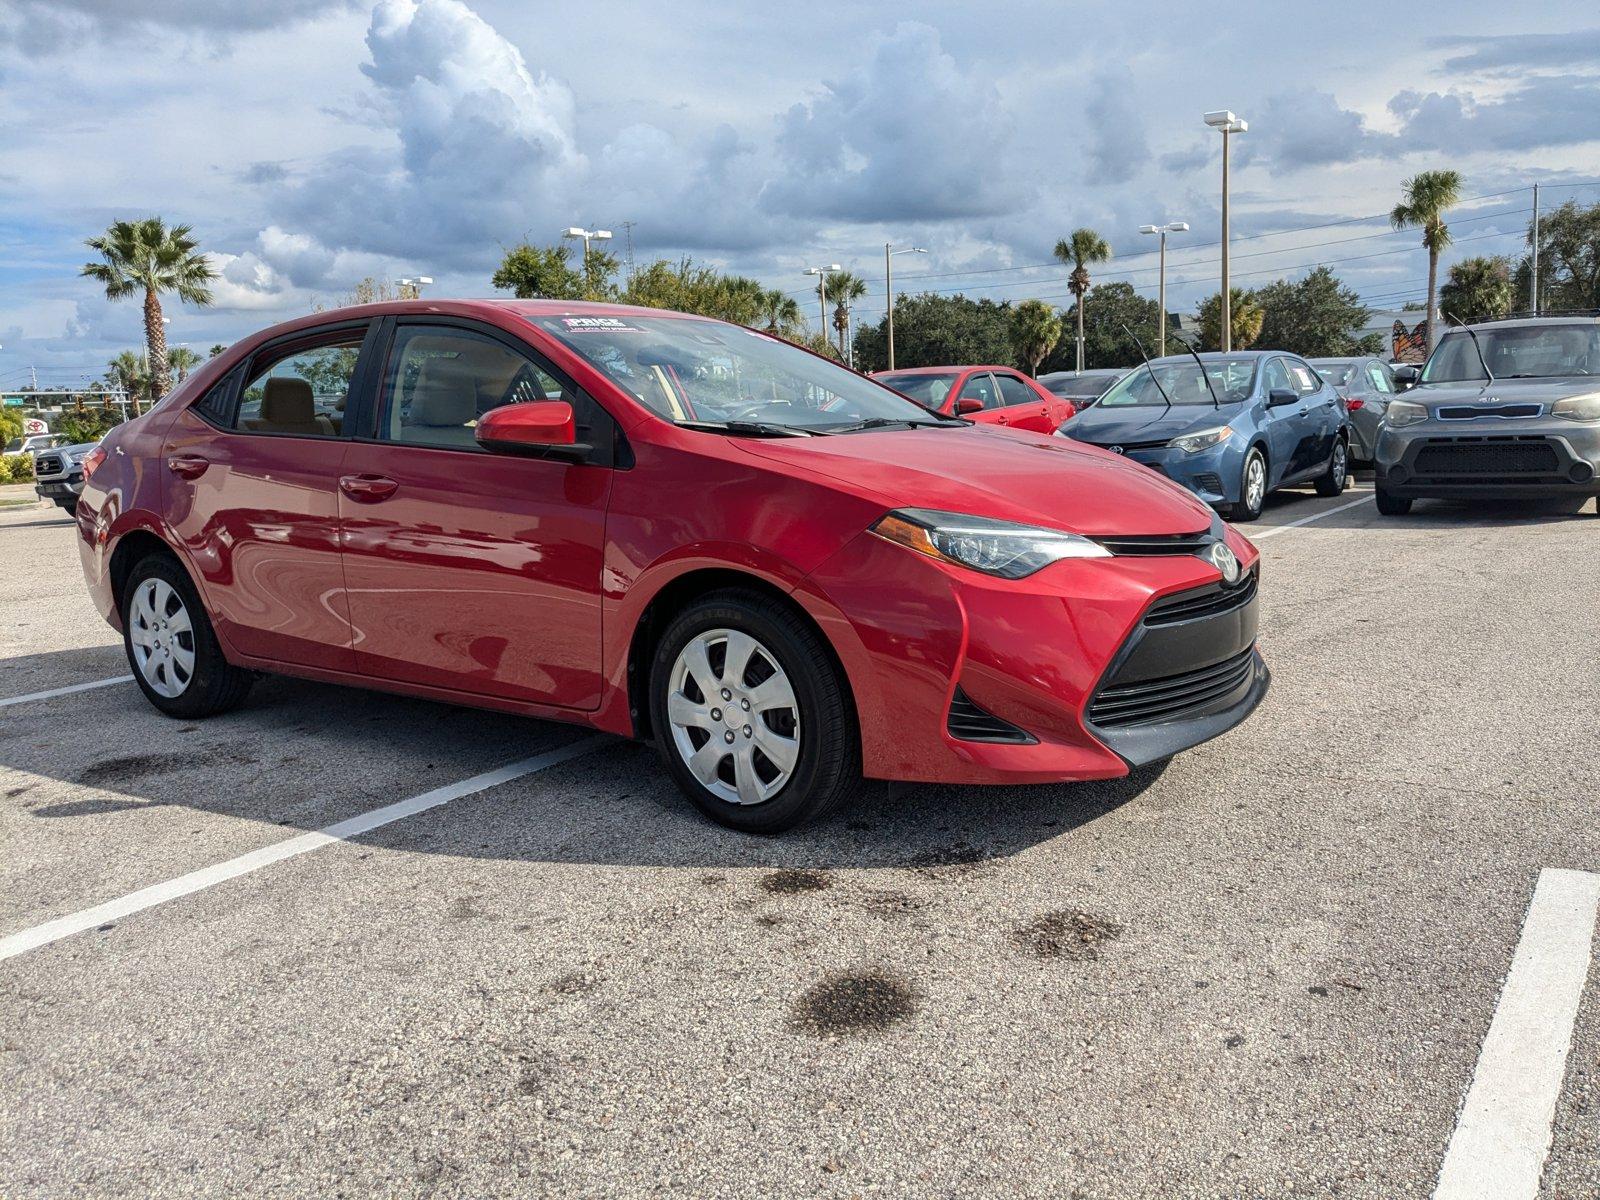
x=1251, y=423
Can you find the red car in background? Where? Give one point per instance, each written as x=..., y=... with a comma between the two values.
x=992, y=395
x=783, y=574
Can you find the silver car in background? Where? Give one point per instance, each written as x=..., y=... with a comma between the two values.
x=1367, y=385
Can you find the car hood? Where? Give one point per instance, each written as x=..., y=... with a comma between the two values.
x=1503, y=391
x=988, y=472
x=1129, y=426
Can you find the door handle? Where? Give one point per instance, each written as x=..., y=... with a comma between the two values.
x=187, y=466
x=367, y=488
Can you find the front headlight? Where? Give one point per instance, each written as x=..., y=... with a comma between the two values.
x=1193, y=443
x=1403, y=412
x=1577, y=408
x=1000, y=548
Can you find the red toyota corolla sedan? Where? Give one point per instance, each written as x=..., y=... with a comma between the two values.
x=671, y=528
x=989, y=395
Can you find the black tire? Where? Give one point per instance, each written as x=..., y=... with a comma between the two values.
x=827, y=768
x=215, y=685
x=1391, y=505
x=1331, y=482
x=1247, y=509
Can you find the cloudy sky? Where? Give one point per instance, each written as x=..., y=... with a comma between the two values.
x=312, y=142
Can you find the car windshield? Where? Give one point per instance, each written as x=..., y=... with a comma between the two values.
x=929, y=389
x=1080, y=387
x=13, y=445
x=1335, y=373
x=693, y=371
x=1517, y=352
x=1182, y=382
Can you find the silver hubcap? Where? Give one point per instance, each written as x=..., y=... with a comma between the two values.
x=1338, y=462
x=735, y=720
x=163, y=638
x=1255, y=483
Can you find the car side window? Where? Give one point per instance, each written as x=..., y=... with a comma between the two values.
x=1014, y=391
x=1380, y=378
x=301, y=391
x=980, y=387
x=440, y=380
x=1278, y=377
x=1305, y=379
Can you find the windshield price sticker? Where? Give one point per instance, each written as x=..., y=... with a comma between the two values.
x=598, y=325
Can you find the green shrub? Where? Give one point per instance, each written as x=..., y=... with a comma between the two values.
x=16, y=468
x=90, y=425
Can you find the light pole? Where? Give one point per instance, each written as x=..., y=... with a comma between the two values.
x=1226, y=123
x=889, y=251
x=1161, y=287
x=822, y=291
x=413, y=285
x=587, y=235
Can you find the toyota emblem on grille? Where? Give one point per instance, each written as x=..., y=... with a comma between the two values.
x=1224, y=560
x=1115, y=449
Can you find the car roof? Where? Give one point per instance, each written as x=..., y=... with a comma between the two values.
x=1214, y=355
x=941, y=370
x=1528, y=322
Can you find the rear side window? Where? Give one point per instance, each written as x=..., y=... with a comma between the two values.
x=1380, y=377
x=441, y=379
x=980, y=387
x=1014, y=391
x=1305, y=379
x=301, y=391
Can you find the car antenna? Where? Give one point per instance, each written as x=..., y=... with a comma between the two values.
x=1189, y=346
x=1147, y=365
x=1482, y=361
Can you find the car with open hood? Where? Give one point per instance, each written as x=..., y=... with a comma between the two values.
x=783, y=574
x=1503, y=408
x=1229, y=427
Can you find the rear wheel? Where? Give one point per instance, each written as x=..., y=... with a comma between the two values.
x=753, y=718
x=1391, y=505
x=176, y=660
x=1331, y=482
x=1252, y=487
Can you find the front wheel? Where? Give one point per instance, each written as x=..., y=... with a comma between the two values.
x=1252, y=487
x=751, y=715
x=176, y=660
x=1331, y=482
x=1391, y=505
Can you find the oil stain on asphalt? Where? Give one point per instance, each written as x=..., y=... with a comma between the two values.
x=790, y=881
x=1071, y=934
x=854, y=1002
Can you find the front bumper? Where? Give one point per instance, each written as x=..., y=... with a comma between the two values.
x=1212, y=474
x=59, y=487
x=943, y=661
x=1490, y=457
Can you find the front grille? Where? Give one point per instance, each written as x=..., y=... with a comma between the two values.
x=1170, y=697
x=969, y=723
x=1202, y=602
x=1466, y=412
x=1177, y=543
x=1532, y=456
x=47, y=464
x=1130, y=447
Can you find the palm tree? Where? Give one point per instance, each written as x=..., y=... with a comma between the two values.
x=780, y=314
x=1085, y=246
x=147, y=255
x=1427, y=198
x=1477, y=287
x=843, y=288
x=1035, y=330
x=128, y=373
x=182, y=360
x=1245, y=319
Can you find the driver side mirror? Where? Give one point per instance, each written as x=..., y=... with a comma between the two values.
x=1406, y=377
x=968, y=405
x=538, y=429
x=1278, y=397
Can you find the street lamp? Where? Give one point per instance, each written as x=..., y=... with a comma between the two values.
x=586, y=236
x=413, y=285
x=1225, y=123
x=888, y=286
x=1161, y=287
x=822, y=291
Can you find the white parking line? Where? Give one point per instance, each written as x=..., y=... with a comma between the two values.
x=65, y=691
x=1327, y=512
x=1503, y=1133
x=183, y=885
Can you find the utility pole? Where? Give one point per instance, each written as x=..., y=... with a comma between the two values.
x=627, y=234
x=888, y=287
x=1535, y=250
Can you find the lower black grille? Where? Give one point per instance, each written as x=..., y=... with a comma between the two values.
x=1170, y=697
x=1208, y=482
x=1202, y=602
x=969, y=723
x=1509, y=457
x=1467, y=412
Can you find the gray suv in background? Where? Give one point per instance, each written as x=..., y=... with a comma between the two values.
x=1503, y=408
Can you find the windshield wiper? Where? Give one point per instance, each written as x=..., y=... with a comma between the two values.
x=888, y=423
x=748, y=428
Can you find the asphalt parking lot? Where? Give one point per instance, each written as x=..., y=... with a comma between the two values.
x=1267, y=969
